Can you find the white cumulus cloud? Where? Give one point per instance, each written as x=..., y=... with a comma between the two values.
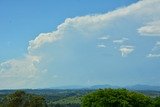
x=89, y=24
x=151, y=29
x=16, y=73
x=42, y=39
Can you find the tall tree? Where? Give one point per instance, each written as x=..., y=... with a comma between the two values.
x=116, y=98
x=21, y=99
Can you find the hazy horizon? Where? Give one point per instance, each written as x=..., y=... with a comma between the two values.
x=56, y=43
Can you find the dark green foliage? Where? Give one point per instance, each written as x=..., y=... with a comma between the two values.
x=157, y=101
x=66, y=102
x=65, y=105
x=116, y=98
x=21, y=99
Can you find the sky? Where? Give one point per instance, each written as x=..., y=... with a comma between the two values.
x=51, y=43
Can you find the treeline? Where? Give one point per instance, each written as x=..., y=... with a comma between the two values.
x=77, y=98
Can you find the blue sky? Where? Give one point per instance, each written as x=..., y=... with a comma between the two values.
x=78, y=42
x=22, y=21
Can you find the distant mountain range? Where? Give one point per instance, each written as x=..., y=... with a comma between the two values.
x=103, y=86
x=143, y=87
x=133, y=87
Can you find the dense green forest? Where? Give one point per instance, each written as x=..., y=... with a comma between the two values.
x=54, y=97
x=79, y=98
x=119, y=98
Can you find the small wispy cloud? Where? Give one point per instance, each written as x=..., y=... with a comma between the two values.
x=120, y=41
x=153, y=55
x=101, y=46
x=155, y=52
x=104, y=38
x=125, y=50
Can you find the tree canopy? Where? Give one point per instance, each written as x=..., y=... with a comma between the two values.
x=21, y=99
x=116, y=98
